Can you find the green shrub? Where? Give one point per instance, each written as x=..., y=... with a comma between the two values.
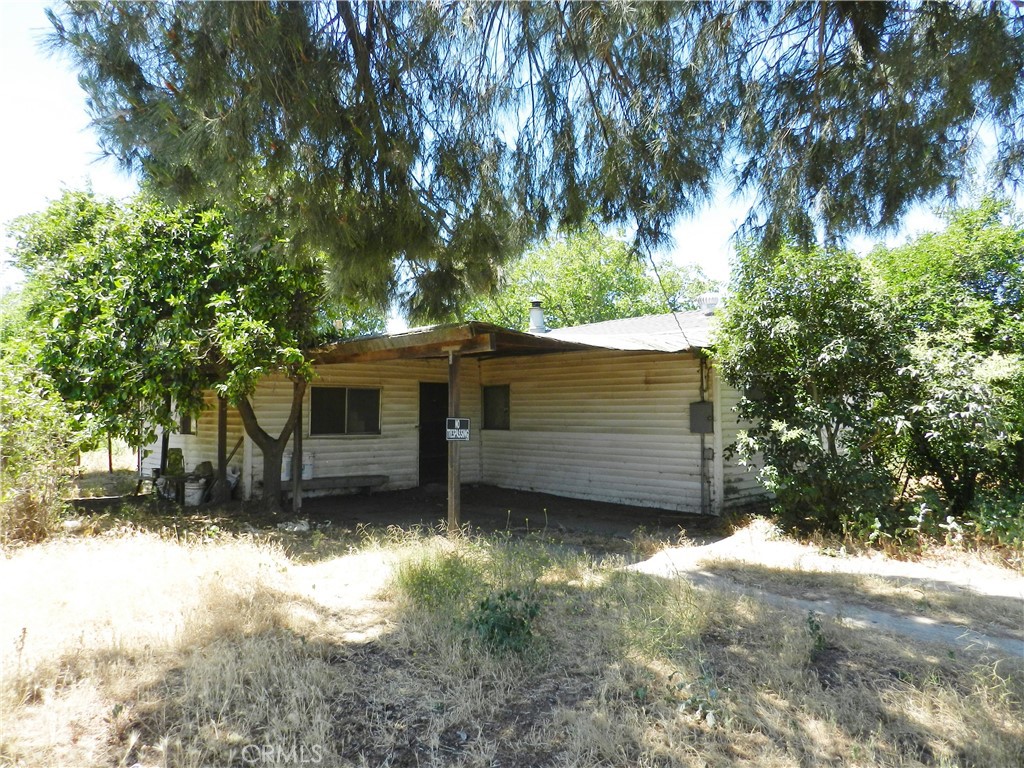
x=998, y=519
x=835, y=494
x=436, y=580
x=504, y=621
x=38, y=443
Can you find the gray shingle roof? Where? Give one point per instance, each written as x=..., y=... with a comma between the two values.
x=662, y=333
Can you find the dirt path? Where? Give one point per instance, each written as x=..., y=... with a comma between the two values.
x=350, y=588
x=758, y=547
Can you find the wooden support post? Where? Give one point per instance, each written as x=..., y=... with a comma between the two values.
x=222, y=440
x=220, y=484
x=454, y=483
x=297, y=464
x=165, y=440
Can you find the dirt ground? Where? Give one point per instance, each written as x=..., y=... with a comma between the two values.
x=489, y=509
x=705, y=553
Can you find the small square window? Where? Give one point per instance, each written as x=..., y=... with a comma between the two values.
x=496, y=407
x=344, y=411
x=186, y=425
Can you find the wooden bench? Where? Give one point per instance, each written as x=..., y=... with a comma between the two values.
x=337, y=483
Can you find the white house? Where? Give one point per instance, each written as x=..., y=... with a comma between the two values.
x=624, y=411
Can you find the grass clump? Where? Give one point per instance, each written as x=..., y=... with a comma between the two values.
x=439, y=578
x=487, y=587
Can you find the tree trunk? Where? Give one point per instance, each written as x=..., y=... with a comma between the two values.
x=957, y=487
x=272, y=453
x=272, y=448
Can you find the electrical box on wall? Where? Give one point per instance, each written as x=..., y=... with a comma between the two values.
x=702, y=417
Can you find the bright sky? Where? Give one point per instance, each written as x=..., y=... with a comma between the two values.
x=48, y=146
x=45, y=135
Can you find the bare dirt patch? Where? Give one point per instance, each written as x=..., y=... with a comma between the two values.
x=489, y=509
x=957, y=589
x=194, y=646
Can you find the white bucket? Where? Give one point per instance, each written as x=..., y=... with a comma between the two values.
x=194, y=492
x=306, y=472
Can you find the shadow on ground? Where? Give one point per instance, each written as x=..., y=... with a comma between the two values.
x=490, y=509
x=335, y=523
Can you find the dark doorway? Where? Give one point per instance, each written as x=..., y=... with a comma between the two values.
x=433, y=445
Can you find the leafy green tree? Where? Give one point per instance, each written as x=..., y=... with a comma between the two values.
x=586, y=277
x=142, y=305
x=967, y=279
x=39, y=435
x=423, y=145
x=810, y=344
x=961, y=293
x=909, y=366
x=965, y=418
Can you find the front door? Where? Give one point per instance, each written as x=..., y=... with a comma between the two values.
x=433, y=444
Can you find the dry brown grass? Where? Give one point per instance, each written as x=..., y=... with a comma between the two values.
x=223, y=652
x=93, y=477
x=990, y=614
x=123, y=458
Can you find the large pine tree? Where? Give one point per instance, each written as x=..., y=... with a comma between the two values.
x=423, y=144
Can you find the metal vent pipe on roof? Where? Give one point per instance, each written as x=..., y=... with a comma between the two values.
x=537, y=317
x=707, y=302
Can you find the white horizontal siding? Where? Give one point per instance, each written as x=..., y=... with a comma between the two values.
x=609, y=426
x=395, y=451
x=740, y=482
x=202, y=446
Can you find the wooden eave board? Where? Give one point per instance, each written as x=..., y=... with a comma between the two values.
x=468, y=339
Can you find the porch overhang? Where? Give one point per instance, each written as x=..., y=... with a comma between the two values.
x=439, y=341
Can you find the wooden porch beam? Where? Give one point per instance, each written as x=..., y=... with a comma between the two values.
x=477, y=345
x=297, y=464
x=454, y=481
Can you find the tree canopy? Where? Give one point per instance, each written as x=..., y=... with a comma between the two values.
x=423, y=145
x=967, y=279
x=137, y=303
x=586, y=277
x=810, y=344
x=961, y=298
x=871, y=384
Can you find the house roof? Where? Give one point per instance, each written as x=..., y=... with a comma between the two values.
x=676, y=332
x=660, y=333
x=438, y=341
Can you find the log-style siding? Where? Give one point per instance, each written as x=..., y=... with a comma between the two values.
x=740, y=484
x=202, y=446
x=603, y=425
x=395, y=451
